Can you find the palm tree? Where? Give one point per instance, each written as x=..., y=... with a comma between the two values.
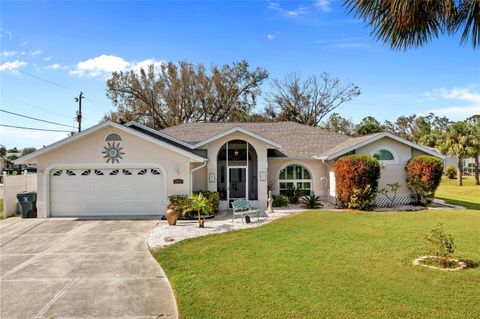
x=403, y=24
x=457, y=141
x=201, y=205
x=474, y=123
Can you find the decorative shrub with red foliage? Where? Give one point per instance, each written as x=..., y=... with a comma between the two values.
x=424, y=174
x=356, y=179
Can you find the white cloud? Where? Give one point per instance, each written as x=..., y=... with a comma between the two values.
x=468, y=99
x=270, y=36
x=323, y=5
x=293, y=13
x=7, y=53
x=12, y=66
x=55, y=66
x=100, y=65
x=346, y=43
x=5, y=33
x=37, y=52
x=47, y=58
x=104, y=65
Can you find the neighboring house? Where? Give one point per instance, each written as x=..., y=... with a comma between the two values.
x=4, y=163
x=113, y=169
x=468, y=164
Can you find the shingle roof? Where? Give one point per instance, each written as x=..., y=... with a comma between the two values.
x=297, y=140
x=352, y=141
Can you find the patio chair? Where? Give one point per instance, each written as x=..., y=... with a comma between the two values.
x=242, y=208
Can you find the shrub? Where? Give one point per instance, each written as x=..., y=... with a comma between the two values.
x=293, y=194
x=451, y=172
x=200, y=205
x=280, y=201
x=424, y=174
x=390, y=193
x=440, y=244
x=311, y=201
x=213, y=198
x=181, y=203
x=356, y=179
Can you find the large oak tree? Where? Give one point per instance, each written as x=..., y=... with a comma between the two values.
x=307, y=101
x=182, y=92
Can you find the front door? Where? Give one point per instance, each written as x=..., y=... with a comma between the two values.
x=237, y=183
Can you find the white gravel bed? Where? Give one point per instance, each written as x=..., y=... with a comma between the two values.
x=220, y=224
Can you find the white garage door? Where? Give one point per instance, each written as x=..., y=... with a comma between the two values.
x=106, y=192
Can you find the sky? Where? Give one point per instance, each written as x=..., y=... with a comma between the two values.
x=52, y=50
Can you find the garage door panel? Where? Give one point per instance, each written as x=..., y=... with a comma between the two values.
x=107, y=192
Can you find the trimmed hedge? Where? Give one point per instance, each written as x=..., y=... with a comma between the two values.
x=424, y=174
x=356, y=178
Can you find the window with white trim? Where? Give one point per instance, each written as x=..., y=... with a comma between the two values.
x=113, y=137
x=384, y=155
x=297, y=176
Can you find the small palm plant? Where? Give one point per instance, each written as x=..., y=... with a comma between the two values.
x=311, y=201
x=201, y=205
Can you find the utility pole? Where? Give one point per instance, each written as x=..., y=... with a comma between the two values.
x=79, y=112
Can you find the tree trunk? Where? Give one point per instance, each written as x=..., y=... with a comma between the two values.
x=459, y=171
x=477, y=181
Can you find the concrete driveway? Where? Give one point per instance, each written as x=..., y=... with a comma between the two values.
x=59, y=268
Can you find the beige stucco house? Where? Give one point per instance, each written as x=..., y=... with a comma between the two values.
x=113, y=169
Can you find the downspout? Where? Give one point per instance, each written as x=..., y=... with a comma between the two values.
x=205, y=161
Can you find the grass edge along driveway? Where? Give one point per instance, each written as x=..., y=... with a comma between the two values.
x=326, y=264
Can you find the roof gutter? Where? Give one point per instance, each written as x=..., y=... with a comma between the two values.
x=205, y=161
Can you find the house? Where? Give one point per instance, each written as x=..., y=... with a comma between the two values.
x=113, y=169
x=4, y=163
x=468, y=164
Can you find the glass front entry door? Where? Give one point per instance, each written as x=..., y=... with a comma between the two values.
x=237, y=182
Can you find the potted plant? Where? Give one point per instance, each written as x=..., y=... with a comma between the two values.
x=200, y=204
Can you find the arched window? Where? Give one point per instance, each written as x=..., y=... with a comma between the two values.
x=114, y=137
x=297, y=176
x=384, y=155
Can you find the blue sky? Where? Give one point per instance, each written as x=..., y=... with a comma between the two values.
x=77, y=44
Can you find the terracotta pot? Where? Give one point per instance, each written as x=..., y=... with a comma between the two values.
x=171, y=215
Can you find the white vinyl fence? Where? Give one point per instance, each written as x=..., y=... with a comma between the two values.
x=12, y=185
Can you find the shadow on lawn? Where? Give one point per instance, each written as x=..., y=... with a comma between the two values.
x=468, y=205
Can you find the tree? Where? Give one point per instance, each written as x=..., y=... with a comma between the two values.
x=404, y=24
x=369, y=125
x=336, y=123
x=423, y=130
x=474, y=123
x=182, y=92
x=457, y=141
x=28, y=150
x=307, y=101
x=3, y=150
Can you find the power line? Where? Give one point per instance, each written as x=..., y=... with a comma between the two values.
x=47, y=81
x=35, y=106
x=33, y=128
x=57, y=84
x=34, y=118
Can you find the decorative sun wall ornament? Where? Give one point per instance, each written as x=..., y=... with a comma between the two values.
x=113, y=152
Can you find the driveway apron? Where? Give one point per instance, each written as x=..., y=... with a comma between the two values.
x=59, y=268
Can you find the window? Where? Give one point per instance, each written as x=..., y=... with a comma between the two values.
x=99, y=173
x=86, y=173
x=70, y=173
x=114, y=137
x=126, y=172
x=114, y=172
x=384, y=155
x=57, y=173
x=295, y=176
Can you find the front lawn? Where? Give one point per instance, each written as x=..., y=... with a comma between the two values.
x=467, y=195
x=327, y=265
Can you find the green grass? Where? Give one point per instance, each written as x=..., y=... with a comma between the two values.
x=327, y=265
x=467, y=195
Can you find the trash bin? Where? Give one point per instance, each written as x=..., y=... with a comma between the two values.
x=28, y=204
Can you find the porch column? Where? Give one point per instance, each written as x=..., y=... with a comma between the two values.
x=262, y=184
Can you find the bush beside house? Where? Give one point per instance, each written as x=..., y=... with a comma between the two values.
x=183, y=201
x=424, y=174
x=356, y=179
